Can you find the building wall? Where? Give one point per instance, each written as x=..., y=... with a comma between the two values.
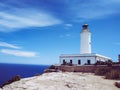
x=83, y=60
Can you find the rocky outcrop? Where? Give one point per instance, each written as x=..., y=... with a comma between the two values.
x=117, y=84
x=13, y=79
x=63, y=81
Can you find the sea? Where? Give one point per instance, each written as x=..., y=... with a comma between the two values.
x=7, y=71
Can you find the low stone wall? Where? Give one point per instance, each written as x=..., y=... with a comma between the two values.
x=86, y=68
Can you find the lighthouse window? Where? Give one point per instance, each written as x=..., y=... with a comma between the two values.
x=79, y=62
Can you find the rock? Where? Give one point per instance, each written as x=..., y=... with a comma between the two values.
x=13, y=79
x=51, y=70
x=117, y=84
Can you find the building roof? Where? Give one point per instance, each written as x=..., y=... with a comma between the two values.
x=84, y=55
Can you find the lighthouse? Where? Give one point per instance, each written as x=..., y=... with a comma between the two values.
x=85, y=57
x=85, y=40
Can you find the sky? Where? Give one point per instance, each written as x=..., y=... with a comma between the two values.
x=39, y=31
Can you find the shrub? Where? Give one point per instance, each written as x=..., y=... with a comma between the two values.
x=113, y=74
x=37, y=74
x=102, y=71
x=117, y=84
x=52, y=67
x=16, y=78
x=108, y=72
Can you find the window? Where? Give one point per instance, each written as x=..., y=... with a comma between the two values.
x=88, y=62
x=64, y=61
x=71, y=61
x=79, y=62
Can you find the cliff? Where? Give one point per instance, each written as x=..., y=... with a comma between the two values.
x=63, y=81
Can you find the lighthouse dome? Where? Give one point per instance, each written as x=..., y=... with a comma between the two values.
x=85, y=28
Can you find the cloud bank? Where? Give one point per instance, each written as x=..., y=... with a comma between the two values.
x=18, y=53
x=4, y=44
x=11, y=22
x=14, y=50
x=93, y=9
x=16, y=15
x=117, y=43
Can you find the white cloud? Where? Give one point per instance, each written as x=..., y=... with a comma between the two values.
x=18, y=53
x=15, y=52
x=94, y=9
x=68, y=25
x=65, y=35
x=117, y=43
x=4, y=44
x=37, y=16
x=26, y=18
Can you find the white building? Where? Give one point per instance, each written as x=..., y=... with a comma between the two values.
x=85, y=56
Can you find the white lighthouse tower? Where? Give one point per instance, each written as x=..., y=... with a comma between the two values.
x=85, y=40
x=85, y=57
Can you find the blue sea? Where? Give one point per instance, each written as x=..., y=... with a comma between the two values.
x=7, y=71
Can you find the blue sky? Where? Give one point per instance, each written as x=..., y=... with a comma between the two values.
x=38, y=31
